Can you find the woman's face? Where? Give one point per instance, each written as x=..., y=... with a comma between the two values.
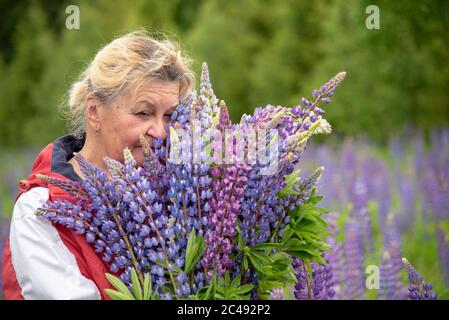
x=141, y=110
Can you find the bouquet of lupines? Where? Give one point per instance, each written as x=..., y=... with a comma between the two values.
x=216, y=211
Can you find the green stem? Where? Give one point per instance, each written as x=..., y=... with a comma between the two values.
x=309, y=289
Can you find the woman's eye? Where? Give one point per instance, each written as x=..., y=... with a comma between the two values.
x=142, y=114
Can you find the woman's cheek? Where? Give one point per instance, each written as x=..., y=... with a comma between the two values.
x=138, y=156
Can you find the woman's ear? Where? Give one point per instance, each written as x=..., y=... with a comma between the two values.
x=92, y=104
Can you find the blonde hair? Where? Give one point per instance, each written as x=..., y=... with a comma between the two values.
x=125, y=61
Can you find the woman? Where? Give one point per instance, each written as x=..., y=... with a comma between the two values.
x=131, y=87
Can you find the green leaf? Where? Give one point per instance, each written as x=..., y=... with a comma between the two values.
x=246, y=288
x=245, y=263
x=227, y=279
x=281, y=260
x=255, y=262
x=263, y=257
x=201, y=293
x=119, y=285
x=236, y=281
x=293, y=243
x=300, y=254
x=288, y=233
x=319, y=259
x=293, y=177
x=137, y=289
x=221, y=283
x=304, y=210
x=190, y=251
x=117, y=295
x=201, y=247
x=316, y=199
x=261, y=262
x=221, y=296
x=291, y=180
x=233, y=290
x=268, y=246
x=147, y=287
x=210, y=293
x=194, y=251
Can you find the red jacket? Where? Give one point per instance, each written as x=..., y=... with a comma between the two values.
x=89, y=268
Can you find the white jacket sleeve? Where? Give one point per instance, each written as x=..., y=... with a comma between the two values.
x=45, y=268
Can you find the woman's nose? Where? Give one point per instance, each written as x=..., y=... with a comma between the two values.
x=158, y=130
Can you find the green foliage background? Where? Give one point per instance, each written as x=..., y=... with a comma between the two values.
x=259, y=52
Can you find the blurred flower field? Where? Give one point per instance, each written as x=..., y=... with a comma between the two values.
x=386, y=203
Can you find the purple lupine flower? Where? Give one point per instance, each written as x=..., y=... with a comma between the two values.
x=354, y=272
x=420, y=168
x=418, y=289
x=304, y=186
x=360, y=213
x=433, y=182
x=75, y=189
x=205, y=106
x=302, y=289
x=182, y=114
x=391, y=287
x=326, y=91
x=323, y=281
x=142, y=205
x=191, y=199
x=388, y=287
x=443, y=252
x=348, y=166
x=261, y=207
x=277, y=294
x=408, y=195
x=293, y=137
x=335, y=256
x=128, y=233
x=381, y=185
x=323, y=94
x=228, y=194
x=328, y=182
x=317, y=287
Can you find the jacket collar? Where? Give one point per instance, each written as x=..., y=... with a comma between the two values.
x=63, y=149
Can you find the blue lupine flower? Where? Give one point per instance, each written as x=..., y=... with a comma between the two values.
x=418, y=289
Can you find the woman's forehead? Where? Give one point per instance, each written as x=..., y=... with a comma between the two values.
x=157, y=89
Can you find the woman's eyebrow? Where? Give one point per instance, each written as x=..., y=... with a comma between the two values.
x=145, y=103
x=149, y=105
x=173, y=108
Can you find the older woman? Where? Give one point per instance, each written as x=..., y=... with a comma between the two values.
x=130, y=88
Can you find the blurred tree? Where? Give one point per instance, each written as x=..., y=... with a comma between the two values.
x=25, y=71
x=224, y=36
x=282, y=69
x=391, y=74
x=259, y=52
